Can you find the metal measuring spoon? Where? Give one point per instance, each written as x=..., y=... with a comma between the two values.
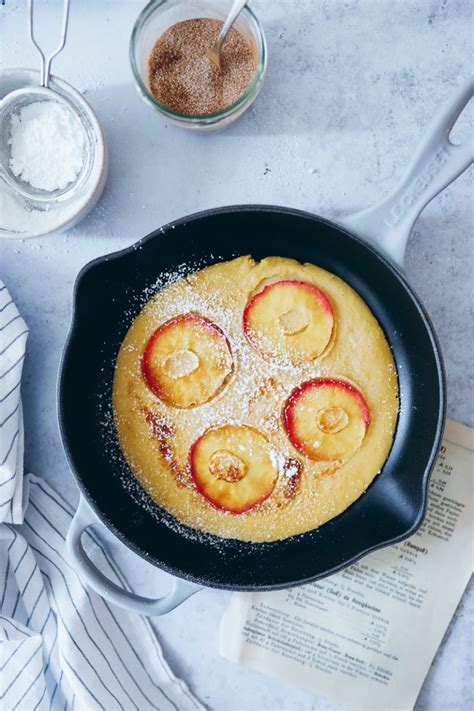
x=17, y=100
x=214, y=54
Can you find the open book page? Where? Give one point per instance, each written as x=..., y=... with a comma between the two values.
x=366, y=636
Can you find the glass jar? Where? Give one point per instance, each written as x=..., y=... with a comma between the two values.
x=157, y=17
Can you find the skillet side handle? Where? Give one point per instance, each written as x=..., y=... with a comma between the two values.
x=111, y=592
x=435, y=164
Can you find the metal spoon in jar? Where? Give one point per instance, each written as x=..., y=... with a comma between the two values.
x=214, y=54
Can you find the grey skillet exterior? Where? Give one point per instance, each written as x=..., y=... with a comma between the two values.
x=435, y=164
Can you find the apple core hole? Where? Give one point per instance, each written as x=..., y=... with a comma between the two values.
x=180, y=363
x=227, y=466
x=294, y=320
x=332, y=420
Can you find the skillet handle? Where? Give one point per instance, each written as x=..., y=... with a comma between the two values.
x=111, y=592
x=435, y=164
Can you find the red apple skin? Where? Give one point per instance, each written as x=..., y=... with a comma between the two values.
x=216, y=504
x=285, y=282
x=147, y=370
x=288, y=412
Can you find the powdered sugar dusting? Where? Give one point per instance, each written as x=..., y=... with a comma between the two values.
x=253, y=395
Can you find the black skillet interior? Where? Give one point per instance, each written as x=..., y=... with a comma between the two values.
x=113, y=286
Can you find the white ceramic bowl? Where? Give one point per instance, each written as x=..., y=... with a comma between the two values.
x=62, y=213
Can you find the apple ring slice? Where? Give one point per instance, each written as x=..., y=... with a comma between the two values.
x=289, y=320
x=233, y=468
x=186, y=361
x=326, y=419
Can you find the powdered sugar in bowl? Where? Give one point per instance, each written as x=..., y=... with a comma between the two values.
x=45, y=147
x=33, y=205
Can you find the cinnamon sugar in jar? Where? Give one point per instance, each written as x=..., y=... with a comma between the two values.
x=173, y=74
x=182, y=77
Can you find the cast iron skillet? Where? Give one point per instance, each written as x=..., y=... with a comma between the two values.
x=110, y=287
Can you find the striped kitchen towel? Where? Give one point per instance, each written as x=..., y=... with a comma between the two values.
x=61, y=645
x=13, y=335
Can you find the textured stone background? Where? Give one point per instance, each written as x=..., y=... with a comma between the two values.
x=350, y=87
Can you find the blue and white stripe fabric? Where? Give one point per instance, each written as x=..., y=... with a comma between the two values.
x=13, y=335
x=61, y=645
